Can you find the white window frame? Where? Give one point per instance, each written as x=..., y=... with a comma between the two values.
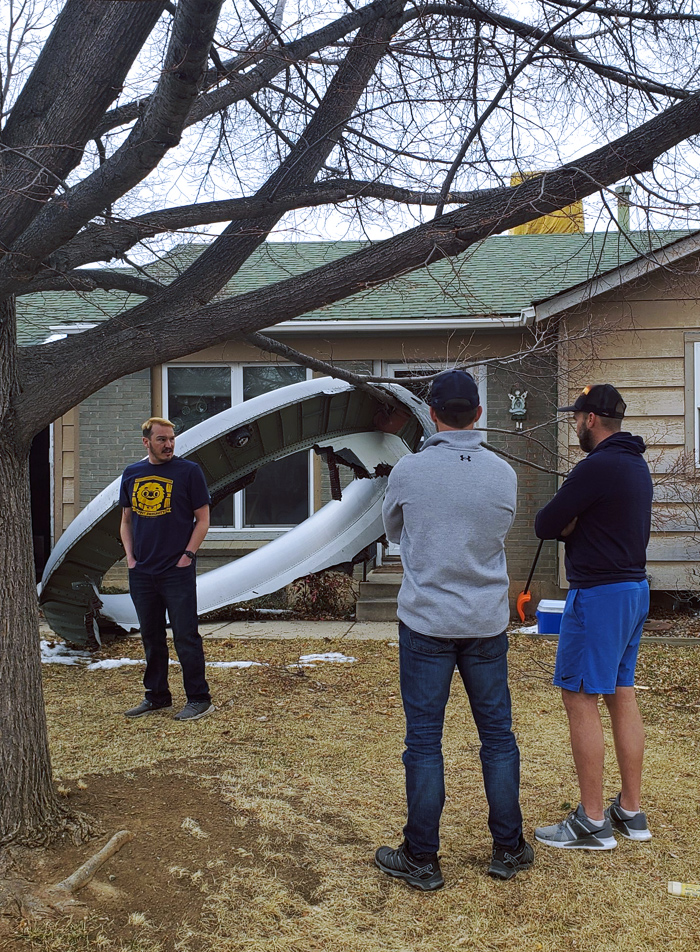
x=692, y=395
x=389, y=368
x=238, y=532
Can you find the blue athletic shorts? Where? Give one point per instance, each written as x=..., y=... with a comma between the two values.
x=599, y=637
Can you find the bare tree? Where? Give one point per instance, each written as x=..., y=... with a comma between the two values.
x=386, y=114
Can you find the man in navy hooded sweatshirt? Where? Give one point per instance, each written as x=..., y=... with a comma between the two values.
x=602, y=512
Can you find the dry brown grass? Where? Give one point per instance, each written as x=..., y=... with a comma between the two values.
x=304, y=772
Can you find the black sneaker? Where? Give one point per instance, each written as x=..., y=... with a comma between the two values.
x=631, y=827
x=193, y=710
x=505, y=863
x=147, y=707
x=423, y=873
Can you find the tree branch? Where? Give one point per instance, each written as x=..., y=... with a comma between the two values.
x=130, y=343
x=519, y=459
x=104, y=241
x=49, y=123
x=271, y=346
x=566, y=48
x=222, y=259
x=157, y=132
x=275, y=60
x=88, y=279
x=493, y=105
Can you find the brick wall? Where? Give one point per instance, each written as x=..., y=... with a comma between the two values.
x=110, y=431
x=537, y=376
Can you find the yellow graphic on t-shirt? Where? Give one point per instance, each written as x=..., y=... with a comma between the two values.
x=151, y=496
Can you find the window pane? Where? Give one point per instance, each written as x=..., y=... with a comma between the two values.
x=280, y=494
x=221, y=515
x=263, y=379
x=197, y=393
x=419, y=389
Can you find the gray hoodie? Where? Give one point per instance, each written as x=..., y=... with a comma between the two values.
x=450, y=506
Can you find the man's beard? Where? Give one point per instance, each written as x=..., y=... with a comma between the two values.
x=585, y=439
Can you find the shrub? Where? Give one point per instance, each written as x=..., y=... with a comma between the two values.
x=329, y=594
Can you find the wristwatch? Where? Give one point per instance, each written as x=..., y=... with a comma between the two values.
x=190, y=555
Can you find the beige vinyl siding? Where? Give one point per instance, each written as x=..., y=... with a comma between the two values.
x=638, y=342
x=66, y=479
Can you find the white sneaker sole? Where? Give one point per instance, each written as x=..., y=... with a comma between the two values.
x=640, y=836
x=609, y=843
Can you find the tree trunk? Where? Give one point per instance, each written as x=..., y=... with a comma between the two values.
x=30, y=811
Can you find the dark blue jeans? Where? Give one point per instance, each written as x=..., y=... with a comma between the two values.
x=427, y=665
x=174, y=591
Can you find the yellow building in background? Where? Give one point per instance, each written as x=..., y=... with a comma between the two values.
x=567, y=221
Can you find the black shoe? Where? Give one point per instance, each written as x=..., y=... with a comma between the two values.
x=506, y=863
x=423, y=873
x=146, y=707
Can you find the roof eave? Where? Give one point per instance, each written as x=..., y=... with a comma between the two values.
x=618, y=277
x=381, y=326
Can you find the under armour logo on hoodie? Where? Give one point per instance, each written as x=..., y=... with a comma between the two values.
x=467, y=458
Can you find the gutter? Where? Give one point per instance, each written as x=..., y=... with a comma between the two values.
x=365, y=325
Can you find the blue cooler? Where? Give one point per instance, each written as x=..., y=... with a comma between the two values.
x=549, y=612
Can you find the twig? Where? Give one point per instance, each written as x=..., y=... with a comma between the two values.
x=518, y=459
x=275, y=347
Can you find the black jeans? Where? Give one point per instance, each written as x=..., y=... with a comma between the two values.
x=174, y=591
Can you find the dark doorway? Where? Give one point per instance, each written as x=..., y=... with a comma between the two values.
x=40, y=488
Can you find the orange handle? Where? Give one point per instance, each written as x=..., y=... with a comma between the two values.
x=523, y=597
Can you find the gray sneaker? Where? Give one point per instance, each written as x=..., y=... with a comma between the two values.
x=193, y=710
x=577, y=833
x=146, y=707
x=632, y=827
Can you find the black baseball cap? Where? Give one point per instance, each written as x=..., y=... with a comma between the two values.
x=454, y=390
x=602, y=399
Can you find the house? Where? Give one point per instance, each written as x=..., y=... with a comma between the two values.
x=638, y=326
x=538, y=314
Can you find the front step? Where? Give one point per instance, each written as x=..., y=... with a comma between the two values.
x=377, y=601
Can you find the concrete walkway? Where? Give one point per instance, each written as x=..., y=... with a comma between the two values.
x=280, y=630
x=287, y=630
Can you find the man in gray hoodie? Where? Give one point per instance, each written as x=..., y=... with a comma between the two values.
x=450, y=507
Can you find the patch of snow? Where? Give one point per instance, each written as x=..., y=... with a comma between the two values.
x=234, y=664
x=328, y=656
x=54, y=653
x=110, y=663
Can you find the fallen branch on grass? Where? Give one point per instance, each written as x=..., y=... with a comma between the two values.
x=41, y=902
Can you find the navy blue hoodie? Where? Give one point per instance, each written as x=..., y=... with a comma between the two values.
x=610, y=491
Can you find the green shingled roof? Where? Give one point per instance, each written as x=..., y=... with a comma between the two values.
x=497, y=278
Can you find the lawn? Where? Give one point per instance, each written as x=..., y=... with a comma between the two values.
x=256, y=827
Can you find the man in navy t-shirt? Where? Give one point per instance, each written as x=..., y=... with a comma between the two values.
x=602, y=512
x=165, y=517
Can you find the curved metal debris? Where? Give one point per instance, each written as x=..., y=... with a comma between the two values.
x=346, y=426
